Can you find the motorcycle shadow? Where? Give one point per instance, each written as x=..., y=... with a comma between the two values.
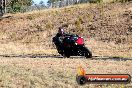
x=59, y=56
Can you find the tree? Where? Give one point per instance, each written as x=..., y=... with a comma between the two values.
x=41, y=2
x=16, y=5
x=50, y=2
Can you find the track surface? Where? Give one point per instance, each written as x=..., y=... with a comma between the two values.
x=58, y=56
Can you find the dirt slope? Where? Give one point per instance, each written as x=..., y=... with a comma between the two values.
x=109, y=23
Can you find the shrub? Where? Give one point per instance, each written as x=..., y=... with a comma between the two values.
x=49, y=25
x=122, y=1
x=95, y=1
x=30, y=17
x=78, y=24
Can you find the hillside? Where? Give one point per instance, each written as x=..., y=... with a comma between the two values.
x=28, y=59
x=108, y=23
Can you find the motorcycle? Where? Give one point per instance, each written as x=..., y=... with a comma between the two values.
x=72, y=45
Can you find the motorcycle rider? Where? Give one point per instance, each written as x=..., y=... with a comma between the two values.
x=61, y=34
x=59, y=38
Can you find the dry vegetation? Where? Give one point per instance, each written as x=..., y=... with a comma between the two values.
x=25, y=40
x=109, y=23
x=57, y=72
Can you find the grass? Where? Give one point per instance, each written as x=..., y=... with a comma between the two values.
x=26, y=39
x=54, y=72
x=108, y=49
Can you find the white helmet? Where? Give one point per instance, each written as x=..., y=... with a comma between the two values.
x=61, y=30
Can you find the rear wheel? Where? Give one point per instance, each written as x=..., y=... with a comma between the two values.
x=66, y=53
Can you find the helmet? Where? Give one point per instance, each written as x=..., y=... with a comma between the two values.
x=61, y=30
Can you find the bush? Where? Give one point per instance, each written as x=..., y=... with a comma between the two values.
x=122, y=1
x=95, y=1
x=49, y=25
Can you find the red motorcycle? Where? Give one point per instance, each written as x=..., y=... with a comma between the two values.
x=72, y=45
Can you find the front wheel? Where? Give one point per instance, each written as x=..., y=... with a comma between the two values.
x=87, y=53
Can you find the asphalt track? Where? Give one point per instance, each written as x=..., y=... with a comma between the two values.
x=59, y=56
